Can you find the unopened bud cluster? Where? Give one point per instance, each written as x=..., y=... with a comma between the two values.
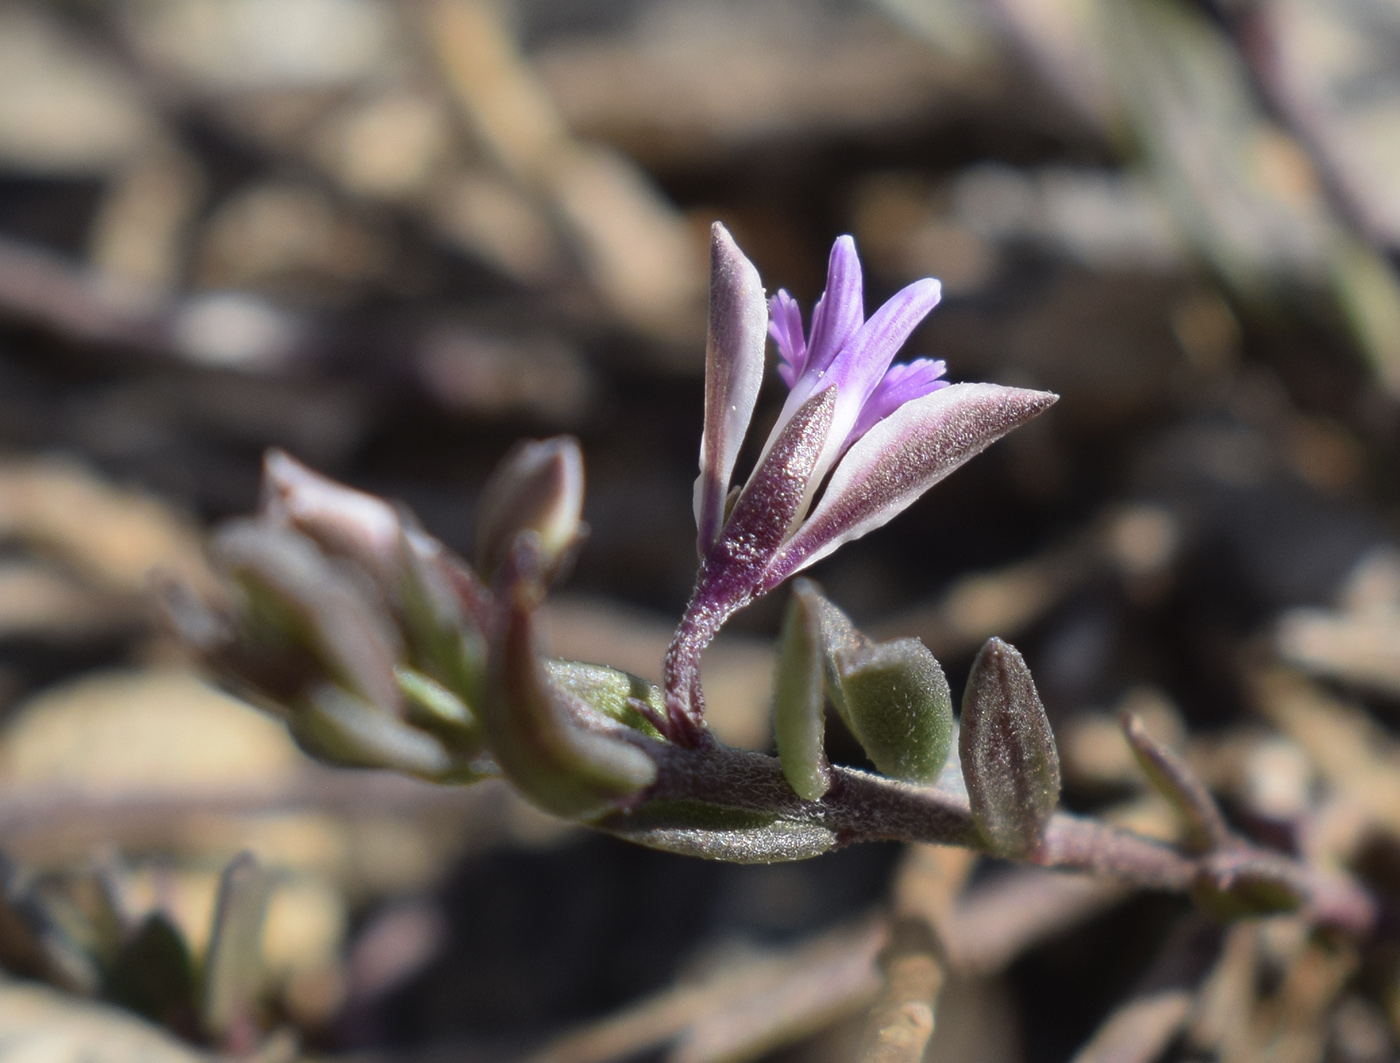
x=381, y=648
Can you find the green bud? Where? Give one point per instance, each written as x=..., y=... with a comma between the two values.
x=429, y=593
x=537, y=487
x=297, y=595
x=561, y=754
x=798, y=698
x=1008, y=753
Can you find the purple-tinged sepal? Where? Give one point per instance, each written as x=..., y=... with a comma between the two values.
x=730, y=572
x=733, y=375
x=899, y=459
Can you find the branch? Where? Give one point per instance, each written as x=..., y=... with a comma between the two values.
x=863, y=807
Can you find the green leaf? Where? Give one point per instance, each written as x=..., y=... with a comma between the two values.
x=333, y=725
x=893, y=696
x=798, y=699
x=558, y=752
x=899, y=706
x=714, y=832
x=1008, y=753
x=154, y=975
x=233, y=968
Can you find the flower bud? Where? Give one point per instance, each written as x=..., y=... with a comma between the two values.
x=298, y=597
x=560, y=753
x=1008, y=753
x=316, y=641
x=537, y=487
x=435, y=601
x=340, y=520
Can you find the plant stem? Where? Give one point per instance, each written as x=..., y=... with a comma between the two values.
x=864, y=807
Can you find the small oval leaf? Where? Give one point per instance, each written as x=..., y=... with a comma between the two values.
x=898, y=704
x=1009, y=759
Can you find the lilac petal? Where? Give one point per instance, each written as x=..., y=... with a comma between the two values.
x=903, y=382
x=899, y=459
x=785, y=326
x=841, y=309
x=868, y=354
x=733, y=374
x=861, y=366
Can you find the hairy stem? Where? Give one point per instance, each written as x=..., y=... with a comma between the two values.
x=864, y=807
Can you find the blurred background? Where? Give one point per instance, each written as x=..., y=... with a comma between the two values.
x=392, y=236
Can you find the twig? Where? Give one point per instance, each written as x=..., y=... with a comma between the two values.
x=901, y=1022
x=740, y=1006
x=864, y=807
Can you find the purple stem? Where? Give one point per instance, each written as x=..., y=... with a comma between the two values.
x=864, y=807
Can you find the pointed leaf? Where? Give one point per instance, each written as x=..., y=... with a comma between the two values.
x=899, y=706
x=233, y=968
x=799, y=700
x=899, y=459
x=154, y=976
x=1170, y=776
x=714, y=832
x=733, y=375
x=1008, y=753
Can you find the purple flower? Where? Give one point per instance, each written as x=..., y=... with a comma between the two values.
x=876, y=434
x=852, y=354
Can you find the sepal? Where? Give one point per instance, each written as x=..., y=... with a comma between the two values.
x=900, y=458
x=733, y=376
